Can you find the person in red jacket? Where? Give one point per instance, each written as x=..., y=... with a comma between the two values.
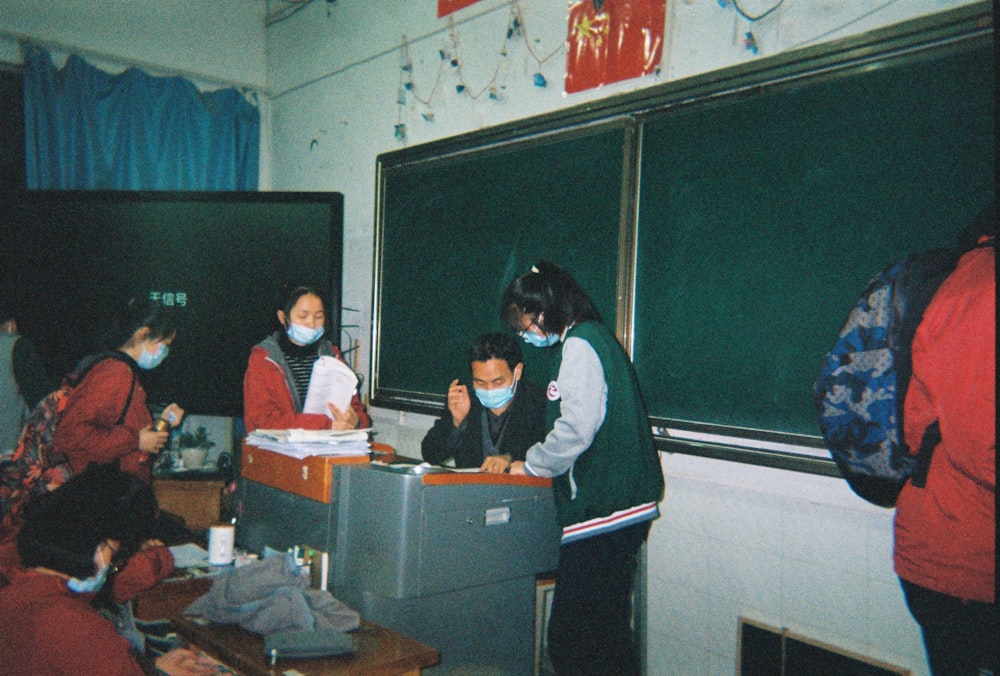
x=945, y=532
x=106, y=419
x=280, y=367
x=71, y=542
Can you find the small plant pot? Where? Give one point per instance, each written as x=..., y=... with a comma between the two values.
x=193, y=458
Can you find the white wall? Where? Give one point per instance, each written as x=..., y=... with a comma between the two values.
x=789, y=549
x=214, y=43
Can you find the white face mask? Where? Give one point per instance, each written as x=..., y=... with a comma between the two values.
x=150, y=360
x=90, y=585
x=303, y=335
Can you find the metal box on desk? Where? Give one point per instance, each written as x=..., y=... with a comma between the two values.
x=284, y=501
x=449, y=559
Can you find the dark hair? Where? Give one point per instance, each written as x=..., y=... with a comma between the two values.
x=289, y=295
x=62, y=529
x=141, y=313
x=547, y=290
x=495, y=346
x=985, y=225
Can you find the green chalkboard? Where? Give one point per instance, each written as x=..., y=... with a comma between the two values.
x=456, y=229
x=762, y=217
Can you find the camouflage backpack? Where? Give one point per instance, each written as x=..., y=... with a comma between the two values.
x=36, y=467
x=863, y=380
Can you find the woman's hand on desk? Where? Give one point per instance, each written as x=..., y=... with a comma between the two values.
x=185, y=662
x=517, y=468
x=343, y=420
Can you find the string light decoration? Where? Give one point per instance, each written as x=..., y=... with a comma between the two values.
x=749, y=39
x=450, y=59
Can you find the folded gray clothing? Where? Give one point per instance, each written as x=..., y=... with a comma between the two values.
x=272, y=595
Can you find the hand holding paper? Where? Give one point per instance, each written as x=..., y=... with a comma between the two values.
x=332, y=382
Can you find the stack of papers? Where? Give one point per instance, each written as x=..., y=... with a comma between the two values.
x=305, y=443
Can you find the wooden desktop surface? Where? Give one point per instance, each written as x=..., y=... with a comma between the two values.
x=380, y=651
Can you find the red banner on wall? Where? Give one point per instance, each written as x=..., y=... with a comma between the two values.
x=446, y=7
x=612, y=40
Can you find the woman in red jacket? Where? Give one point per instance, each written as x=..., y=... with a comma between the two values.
x=280, y=367
x=106, y=419
x=72, y=540
x=945, y=531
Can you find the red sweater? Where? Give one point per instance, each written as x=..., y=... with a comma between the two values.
x=945, y=533
x=48, y=629
x=268, y=402
x=143, y=571
x=87, y=431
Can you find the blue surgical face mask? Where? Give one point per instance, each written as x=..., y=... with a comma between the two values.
x=498, y=397
x=532, y=338
x=303, y=335
x=150, y=360
x=90, y=585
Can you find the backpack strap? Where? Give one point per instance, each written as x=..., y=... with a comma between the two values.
x=128, y=400
x=83, y=368
x=930, y=440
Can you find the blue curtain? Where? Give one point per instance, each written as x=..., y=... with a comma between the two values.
x=89, y=130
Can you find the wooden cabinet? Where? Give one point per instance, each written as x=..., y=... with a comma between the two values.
x=197, y=501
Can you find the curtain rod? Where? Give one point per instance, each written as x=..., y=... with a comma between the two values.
x=153, y=68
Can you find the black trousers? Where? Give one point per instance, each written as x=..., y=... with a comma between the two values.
x=962, y=638
x=590, y=628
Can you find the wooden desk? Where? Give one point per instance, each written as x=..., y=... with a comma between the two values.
x=381, y=652
x=198, y=501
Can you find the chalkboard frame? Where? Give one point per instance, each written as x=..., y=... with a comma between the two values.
x=914, y=40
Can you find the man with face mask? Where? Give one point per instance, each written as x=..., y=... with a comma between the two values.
x=491, y=424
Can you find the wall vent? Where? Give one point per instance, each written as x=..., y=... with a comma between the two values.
x=768, y=651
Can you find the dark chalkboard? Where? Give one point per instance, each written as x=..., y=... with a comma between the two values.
x=456, y=229
x=762, y=217
x=69, y=259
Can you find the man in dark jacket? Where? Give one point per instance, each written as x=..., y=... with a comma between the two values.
x=496, y=426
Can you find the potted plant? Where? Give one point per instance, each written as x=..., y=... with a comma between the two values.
x=194, y=447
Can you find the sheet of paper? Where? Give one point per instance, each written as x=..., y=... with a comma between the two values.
x=189, y=555
x=332, y=381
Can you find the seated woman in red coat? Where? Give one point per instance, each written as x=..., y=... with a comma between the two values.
x=106, y=419
x=280, y=368
x=72, y=541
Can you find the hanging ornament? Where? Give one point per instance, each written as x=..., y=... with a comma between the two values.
x=514, y=28
x=540, y=80
x=750, y=42
x=400, y=132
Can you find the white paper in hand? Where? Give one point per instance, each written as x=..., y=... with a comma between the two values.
x=332, y=381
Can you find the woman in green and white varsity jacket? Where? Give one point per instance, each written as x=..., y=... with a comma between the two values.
x=607, y=478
